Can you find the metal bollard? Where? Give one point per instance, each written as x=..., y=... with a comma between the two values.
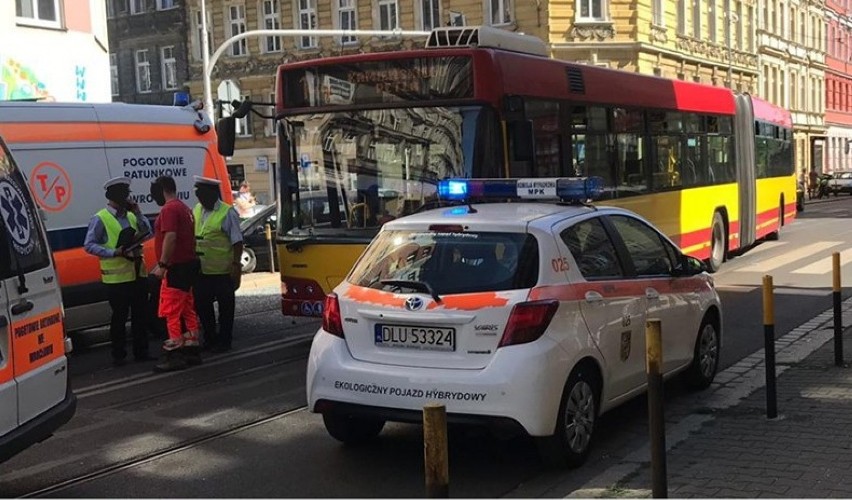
x=435, y=451
x=271, y=247
x=838, y=318
x=769, y=346
x=656, y=416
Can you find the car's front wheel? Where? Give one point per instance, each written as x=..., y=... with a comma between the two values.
x=569, y=446
x=352, y=430
x=248, y=260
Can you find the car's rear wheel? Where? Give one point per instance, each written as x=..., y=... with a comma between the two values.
x=352, y=430
x=718, y=248
x=705, y=359
x=248, y=260
x=570, y=444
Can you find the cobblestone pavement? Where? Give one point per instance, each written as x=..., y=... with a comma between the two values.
x=720, y=443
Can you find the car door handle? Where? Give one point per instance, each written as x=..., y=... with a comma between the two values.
x=22, y=307
x=650, y=293
x=592, y=297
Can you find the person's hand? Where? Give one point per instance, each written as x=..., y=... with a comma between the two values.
x=132, y=206
x=119, y=252
x=159, y=272
x=236, y=274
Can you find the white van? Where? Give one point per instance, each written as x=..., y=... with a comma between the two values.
x=35, y=397
x=68, y=150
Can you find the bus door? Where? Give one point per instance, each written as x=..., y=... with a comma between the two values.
x=31, y=312
x=746, y=176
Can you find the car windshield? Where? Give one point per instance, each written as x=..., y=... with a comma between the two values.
x=844, y=175
x=449, y=262
x=363, y=168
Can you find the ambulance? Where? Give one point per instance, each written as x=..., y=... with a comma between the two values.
x=68, y=150
x=35, y=397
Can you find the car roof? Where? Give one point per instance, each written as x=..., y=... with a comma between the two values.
x=512, y=216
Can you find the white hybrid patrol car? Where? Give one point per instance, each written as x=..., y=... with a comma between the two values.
x=526, y=315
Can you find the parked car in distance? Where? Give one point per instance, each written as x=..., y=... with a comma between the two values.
x=255, y=246
x=841, y=183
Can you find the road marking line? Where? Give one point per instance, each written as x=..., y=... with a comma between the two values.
x=825, y=265
x=788, y=258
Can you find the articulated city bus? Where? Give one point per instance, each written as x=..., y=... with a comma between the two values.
x=363, y=139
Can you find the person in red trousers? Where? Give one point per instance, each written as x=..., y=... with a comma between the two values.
x=178, y=268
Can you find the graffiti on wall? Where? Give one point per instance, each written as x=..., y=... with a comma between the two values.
x=18, y=81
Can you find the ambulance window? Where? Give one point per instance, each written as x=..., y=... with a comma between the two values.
x=22, y=247
x=450, y=262
x=593, y=250
x=645, y=246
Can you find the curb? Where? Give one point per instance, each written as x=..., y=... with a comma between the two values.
x=730, y=387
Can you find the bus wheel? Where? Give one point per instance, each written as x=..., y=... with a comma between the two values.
x=718, y=248
x=774, y=235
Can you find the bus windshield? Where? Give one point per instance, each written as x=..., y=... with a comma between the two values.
x=362, y=168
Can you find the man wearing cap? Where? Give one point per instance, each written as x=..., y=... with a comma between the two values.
x=114, y=235
x=219, y=244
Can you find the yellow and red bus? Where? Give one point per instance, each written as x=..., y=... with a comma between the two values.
x=365, y=138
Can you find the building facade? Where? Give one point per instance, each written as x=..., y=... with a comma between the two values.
x=148, y=55
x=792, y=50
x=838, y=86
x=54, y=49
x=707, y=41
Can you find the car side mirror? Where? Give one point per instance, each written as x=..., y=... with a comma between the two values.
x=689, y=266
x=226, y=132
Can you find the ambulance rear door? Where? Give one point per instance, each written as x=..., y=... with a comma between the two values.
x=31, y=299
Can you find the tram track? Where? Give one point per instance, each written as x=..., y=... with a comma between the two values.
x=156, y=455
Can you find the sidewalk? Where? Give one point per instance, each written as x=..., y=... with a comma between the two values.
x=252, y=281
x=720, y=443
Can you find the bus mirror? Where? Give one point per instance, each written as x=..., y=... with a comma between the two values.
x=521, y=140
x=226, y=129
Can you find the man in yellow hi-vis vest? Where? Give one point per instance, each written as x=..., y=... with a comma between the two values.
x=122, y=267
x=219, y=245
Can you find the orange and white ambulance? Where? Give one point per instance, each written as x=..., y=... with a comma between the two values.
x=35, y=398
x=68, y=150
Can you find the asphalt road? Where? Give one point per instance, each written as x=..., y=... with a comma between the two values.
x=236, y=426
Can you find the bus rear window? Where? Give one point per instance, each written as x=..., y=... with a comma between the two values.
x=451, y=262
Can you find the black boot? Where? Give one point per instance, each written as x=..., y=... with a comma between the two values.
x=173, y=360
x=192, y=355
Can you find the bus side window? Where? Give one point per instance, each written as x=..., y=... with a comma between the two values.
x=592, y=145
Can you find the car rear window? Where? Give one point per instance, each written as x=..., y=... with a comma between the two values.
x=449, y=262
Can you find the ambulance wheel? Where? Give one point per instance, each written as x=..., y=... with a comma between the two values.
x=248, y=260
x=569, y=446
x=352, y=430
x=718, y=248
x=705, y=358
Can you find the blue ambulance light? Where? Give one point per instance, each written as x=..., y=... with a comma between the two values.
x=452, y=189
x=181, y=99
x=578, y=189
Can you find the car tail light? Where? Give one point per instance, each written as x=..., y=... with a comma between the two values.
x=331, y=320
x=528, y=321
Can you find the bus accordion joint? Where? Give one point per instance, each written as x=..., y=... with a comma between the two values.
x=565, y=189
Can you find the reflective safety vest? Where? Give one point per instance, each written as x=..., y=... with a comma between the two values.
x=213, y=245
x=118, y=269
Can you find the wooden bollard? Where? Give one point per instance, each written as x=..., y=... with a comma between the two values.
x=656, y=414
x=836, y=304
x=435, y=451
x=769, y=346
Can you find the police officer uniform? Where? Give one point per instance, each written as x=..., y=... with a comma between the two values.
x=218, y=243
x=122, y=272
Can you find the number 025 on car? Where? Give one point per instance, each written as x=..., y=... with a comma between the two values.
x=416, y=337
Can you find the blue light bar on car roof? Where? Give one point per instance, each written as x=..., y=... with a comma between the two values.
x=578, y=189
